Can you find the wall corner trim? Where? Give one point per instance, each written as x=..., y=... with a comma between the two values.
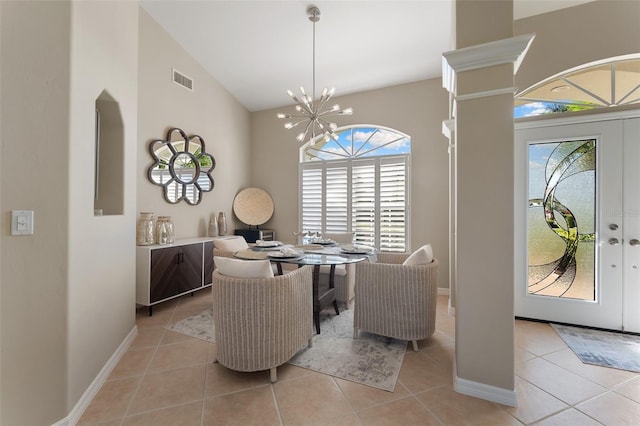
x=484, y=391
x=509, y=50
x=448, y=127
x=96, y=384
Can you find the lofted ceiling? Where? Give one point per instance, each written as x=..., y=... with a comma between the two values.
x=259, y=49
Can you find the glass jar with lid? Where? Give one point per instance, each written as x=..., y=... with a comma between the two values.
x=165, y=232
x=145, y=229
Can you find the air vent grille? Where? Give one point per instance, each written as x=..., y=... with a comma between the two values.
x=182, y=80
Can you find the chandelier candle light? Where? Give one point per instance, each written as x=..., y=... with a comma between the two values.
x=309, y=114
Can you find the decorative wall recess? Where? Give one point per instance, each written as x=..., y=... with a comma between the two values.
x=109, y=157
x=181, y=166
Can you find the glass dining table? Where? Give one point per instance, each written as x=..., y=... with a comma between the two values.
x=323, y=296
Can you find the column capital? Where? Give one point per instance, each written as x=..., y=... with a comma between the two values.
x=510, y=50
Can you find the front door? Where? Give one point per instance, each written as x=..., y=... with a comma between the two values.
x=577, y=195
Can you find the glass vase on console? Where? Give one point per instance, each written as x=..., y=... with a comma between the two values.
x=222, y=224
x=145, y=229
x=213, y=226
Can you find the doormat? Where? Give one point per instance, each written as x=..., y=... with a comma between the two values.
x=603, y=348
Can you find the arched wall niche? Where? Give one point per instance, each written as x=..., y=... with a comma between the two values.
x=109, y=157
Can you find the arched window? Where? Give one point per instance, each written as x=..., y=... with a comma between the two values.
x=358, y=182
x=608, y=83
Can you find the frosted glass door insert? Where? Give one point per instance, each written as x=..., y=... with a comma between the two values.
x=562, y=219
x=576, y=216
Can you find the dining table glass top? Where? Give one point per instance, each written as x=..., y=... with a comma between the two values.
x=308, y=254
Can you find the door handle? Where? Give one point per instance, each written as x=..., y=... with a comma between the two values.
x=634, y=242
x=614, y=241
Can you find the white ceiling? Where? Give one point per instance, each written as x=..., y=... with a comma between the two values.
x=259, y=49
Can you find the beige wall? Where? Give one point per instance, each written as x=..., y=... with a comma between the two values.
x=416, y=109
x=209, y=111
x=33, y=176
x=484, y=217
x=101, y=281
x=578, y=35
x=67, y=290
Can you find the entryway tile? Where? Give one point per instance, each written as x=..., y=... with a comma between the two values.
x=534, y=403
x=169, y=388
x=612, y=409
x=631, y=389
x=250, y=407
x=607, y=377
x=362, y=396
x=453, y=408
x=310, y=399
x=407, y=411
x=183, y=415
x=111, y=402
x=561, y=383
x=570, y=417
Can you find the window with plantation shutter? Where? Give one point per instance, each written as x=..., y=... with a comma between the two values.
x=358, y=182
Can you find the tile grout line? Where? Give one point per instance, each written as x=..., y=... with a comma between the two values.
x=146, y=370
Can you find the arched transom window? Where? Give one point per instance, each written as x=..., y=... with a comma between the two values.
x=602, y=84
x=358, y=182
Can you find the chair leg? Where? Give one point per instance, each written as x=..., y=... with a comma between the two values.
x=415, y=345
x=274, y=377
x=335, y=306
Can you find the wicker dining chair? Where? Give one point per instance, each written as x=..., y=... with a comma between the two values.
x=260, y=323
x=396, y=300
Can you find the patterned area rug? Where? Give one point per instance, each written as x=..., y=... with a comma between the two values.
x=370, y=359
x=199, y=326
x=604, y=348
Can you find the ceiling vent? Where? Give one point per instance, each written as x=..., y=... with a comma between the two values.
x=182, y=80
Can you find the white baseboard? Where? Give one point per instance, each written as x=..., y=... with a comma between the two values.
x=442, y=291
x=484, y=391
x=96, y=384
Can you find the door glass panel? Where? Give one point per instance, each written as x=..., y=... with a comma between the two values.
x=562, y=218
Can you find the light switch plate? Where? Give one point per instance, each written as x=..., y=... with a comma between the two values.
x=21, y=222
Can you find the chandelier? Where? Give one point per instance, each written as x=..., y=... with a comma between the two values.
x=308, y=113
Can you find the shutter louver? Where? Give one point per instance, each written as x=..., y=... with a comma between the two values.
x=337, y=198
x=393, y=202
x=312, y=199
x=363, y=203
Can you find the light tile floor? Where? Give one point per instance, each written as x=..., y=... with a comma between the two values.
x=167, y=378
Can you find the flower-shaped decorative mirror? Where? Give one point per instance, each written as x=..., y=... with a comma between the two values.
x=181, y=166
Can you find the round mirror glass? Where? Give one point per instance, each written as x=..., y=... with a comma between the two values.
x=186, y=167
